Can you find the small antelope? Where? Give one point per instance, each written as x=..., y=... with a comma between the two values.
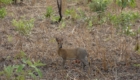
x=69, y=54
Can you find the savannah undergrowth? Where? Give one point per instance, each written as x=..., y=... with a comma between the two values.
x=23, y=26
x=21, y=71
x=2, y=12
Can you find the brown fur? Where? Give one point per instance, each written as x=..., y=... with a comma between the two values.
x=72, y=54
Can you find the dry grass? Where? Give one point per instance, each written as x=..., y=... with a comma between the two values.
x=112, y=55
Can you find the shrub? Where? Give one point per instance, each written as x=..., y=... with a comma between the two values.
x=54, y=18
x=23, y=26
x=3, y=12
x=125, y=3
x=22, y=70
x=49, y=12
x=124, y=21
x=6, y=1
x=99, y=5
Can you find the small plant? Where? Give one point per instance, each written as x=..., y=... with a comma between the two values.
x=23, y=26
x=21, y=71
x=137, y=65
x=9, y=38
x=124, y=3
x=49, y=12
x=54, y=18
x=68, y=12
x=94, y=21
x=3, y=12
x=72, y=13
x=33, y=67
x=6, y=1
x=128, y=31
x=90, y=24
x=124, y=21
x=9, y=70
x=63, y=25
x=99, y=6
x=80, y=15
x=20, y=55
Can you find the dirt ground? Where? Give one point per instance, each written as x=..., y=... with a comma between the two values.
x=112, y=55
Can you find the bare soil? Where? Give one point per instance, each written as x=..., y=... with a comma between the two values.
x=112, y=54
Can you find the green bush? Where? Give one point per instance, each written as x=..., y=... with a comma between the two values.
x=22, y=70
x=72, y=14
x=3, y=12
x=6, y=1
x=49, y=11
x=54, y=18
x=23, y=26
x=125, y=3
x=99, y=5
x=124, y=21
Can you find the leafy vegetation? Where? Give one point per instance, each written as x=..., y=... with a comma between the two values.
x=54, y=18
x=124, y=21
x=9, y=38
x=22, y=70
x=125, y=3
x=3, y=12
x=23, y=26
x=2, y=9
x=72, y=14
x=99, y=6
x=49, y=12
x=6, y=1
x=62, y=25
